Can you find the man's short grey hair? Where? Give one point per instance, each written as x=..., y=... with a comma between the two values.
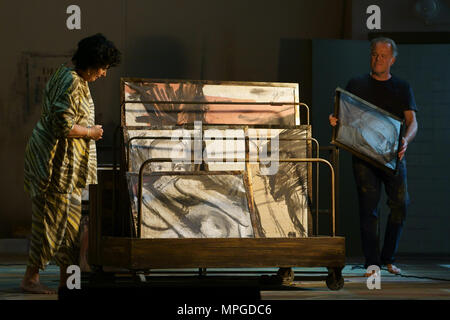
x=385, y=40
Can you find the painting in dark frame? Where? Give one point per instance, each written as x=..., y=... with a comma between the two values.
x=367, y=131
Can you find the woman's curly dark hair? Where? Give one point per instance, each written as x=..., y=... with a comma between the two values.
x=96, y=52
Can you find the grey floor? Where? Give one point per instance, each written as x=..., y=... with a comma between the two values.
x=423, y=278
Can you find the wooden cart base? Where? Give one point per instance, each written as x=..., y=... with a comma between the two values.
x=142, y=254
x=136, y=254
x=145, y=254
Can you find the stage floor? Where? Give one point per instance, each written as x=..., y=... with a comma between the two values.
x=423, y=278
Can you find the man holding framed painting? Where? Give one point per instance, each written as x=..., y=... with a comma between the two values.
x=389, y=99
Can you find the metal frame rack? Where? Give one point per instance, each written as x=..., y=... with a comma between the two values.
x=135, y=254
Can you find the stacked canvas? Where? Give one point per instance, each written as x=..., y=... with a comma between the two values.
x=206, y=131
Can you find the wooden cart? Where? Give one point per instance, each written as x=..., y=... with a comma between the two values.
x=115, y=236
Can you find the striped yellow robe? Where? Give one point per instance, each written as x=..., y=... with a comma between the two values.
x=57, y=168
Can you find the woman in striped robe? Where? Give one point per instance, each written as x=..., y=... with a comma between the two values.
x=61, y=160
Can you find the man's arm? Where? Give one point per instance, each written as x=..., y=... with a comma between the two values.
x=411, y=131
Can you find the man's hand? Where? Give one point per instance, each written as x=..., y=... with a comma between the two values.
x=403, y=148
x=411, y=130
x=333, y=120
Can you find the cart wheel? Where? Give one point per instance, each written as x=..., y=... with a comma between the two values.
x=334, y=280
x=202, y=272
x=139, y=277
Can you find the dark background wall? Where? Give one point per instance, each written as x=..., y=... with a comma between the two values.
x=258, y=40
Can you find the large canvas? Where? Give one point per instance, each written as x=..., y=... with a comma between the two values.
x=278, y=191
x=218, y=103
x=367, y=131
x=192, y=206
x=281, y=202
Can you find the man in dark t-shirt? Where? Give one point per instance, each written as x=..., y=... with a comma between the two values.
x=395, y=96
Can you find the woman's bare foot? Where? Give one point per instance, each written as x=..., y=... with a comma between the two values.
x=36, y=287
x=32, y=284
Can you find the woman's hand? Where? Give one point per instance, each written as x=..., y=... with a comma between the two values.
x=95, y=132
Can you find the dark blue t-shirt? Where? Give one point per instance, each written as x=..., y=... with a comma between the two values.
x=393, y=95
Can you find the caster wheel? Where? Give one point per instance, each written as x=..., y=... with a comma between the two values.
x=139, y=277
x=334, y=280
x=202, y=272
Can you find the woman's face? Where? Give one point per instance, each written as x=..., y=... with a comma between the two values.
x=92, y=74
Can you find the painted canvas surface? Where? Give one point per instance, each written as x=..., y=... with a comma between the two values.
x=365, y=129
x=192, y=206
x=142, y=110
x=279, y=190
x=158, y=144
x=281, y=199
x=214, y=145
x=223, y=149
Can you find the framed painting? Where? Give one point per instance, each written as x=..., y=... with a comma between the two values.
x=152, y=102
x=367, y=131
x=277, y=191
x=192, y=205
